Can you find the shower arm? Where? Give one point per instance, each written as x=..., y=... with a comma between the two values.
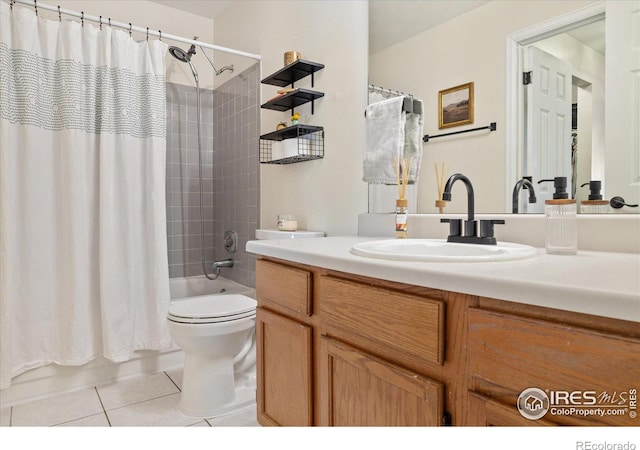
x=217, y=72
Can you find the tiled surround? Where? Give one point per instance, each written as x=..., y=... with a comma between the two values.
x=236, y=117
x=182, y=183
x=146, y=400
x=229, y=127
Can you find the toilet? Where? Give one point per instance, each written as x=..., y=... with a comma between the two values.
x=216, y=333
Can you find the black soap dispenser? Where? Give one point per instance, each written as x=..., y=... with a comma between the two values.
x=595, y=204
x=561, y=220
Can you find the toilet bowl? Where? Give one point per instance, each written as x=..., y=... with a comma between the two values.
x=215, y=332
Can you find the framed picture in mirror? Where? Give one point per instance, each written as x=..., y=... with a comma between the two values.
x=455, y=106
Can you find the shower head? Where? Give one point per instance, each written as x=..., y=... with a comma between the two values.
x=181, y=55
x=185, y=57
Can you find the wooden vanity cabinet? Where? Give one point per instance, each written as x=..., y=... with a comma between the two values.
x=284, y=339
x=341, y=352
x=514, y=347
x=380, y=356
x=337, y=349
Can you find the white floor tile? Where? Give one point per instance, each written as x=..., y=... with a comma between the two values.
x=160, y=412
x=97, y=420
x=58, y=409
x=200, y=424
x=246, y=418
x=5, y=417
x=176, y=376
x=135, y=390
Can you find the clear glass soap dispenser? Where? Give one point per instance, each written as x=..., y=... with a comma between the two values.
x=561, y=220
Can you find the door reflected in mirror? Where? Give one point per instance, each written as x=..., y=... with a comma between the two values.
x=563, y=110
x=568, y=126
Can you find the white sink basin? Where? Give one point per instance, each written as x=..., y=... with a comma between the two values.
x=441, y=251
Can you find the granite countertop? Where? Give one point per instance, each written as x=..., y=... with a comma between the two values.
x=604, y=284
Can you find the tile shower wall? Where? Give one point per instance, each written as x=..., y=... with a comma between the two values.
x=229, y=118
x=236, y=129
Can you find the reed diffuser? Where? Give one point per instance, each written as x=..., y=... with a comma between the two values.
x=440, y=180
x=402, y=178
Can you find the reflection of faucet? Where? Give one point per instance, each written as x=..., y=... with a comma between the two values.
x=524, y=184
x=470, y=225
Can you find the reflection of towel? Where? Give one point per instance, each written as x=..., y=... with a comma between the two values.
x=385, y=140
x=413, y=140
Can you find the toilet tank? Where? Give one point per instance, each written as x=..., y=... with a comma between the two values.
x=277, y=234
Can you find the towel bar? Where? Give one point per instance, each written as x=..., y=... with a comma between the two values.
x=490, y=127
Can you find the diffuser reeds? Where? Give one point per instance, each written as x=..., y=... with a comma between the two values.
x=402, y=176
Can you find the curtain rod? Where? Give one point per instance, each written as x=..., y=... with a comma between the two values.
x=127, y=26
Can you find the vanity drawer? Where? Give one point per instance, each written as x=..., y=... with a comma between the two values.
x=285, y=286
x=404, y=328
x=510, y=353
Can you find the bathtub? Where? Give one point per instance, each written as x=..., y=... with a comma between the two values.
x=193, y=286
x=54, y=379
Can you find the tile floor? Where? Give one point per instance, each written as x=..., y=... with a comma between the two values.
x=142, y=401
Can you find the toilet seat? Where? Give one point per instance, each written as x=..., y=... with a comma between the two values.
x=212, y=309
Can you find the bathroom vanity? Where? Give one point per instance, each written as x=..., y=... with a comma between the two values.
x=349, y=341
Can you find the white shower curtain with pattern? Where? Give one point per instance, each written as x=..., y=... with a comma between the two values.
x=83, y=251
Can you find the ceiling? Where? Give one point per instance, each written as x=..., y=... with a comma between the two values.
x=204, y=8
x=390, y=21
x=591, y=35
x=393, y=21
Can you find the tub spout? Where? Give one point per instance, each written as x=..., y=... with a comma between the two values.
x=217, y=265
x=223, y=263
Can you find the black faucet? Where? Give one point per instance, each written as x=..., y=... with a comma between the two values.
x=470, y=235
x=524, y=184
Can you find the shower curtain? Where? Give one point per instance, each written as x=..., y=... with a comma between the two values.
x=83, y=251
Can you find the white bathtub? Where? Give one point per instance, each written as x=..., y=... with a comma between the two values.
x=53, y=379
x=192, y=286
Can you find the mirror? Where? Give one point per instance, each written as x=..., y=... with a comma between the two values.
x=563, y=135
x=423, y=65
x=575, y=114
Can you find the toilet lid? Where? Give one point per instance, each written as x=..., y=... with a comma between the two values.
x=210, y=320
x=227, y=307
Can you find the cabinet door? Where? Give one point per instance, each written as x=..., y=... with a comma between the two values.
x=284, y=370
x=585, y=369
x=484, y=411
x=364, y=390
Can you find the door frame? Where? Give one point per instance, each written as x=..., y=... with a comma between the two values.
x=514, y=124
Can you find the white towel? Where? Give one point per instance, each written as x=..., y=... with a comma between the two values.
x=284, y=149
x=413, y=140
x=385, y=140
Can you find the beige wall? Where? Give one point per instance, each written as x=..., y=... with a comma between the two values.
x=156, y=17
x=325, y=194
x=468, y=48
